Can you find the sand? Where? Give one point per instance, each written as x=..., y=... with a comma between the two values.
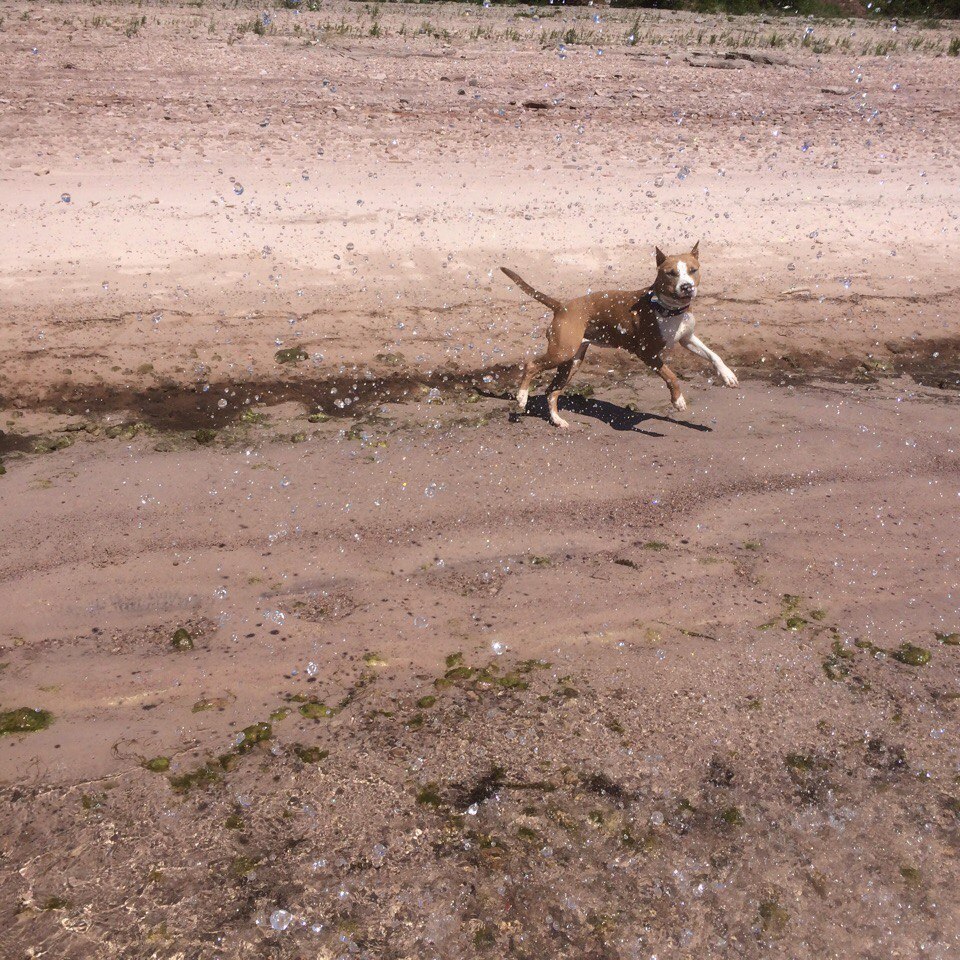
x=455, y=683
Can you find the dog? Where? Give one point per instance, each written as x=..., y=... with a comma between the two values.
x=647, y=322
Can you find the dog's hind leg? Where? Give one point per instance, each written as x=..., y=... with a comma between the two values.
x=531, y=370
x=562, y=377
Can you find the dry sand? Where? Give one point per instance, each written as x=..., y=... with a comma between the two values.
x=462, y=685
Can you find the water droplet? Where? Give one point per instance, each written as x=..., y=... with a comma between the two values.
x=64, y=197
x=280, y=920
x=238, y=189
x=473, y=810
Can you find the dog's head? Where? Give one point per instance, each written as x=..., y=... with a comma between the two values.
x=678, y=276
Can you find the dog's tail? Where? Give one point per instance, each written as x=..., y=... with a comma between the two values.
x=550, y=302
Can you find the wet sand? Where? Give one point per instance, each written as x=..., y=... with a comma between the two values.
x=454, y=683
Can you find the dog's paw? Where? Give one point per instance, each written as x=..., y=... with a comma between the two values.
x=680, y=403
x=561, y=423
x=729, y=377
x=522, y=397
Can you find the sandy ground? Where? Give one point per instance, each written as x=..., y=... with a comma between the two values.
x=453, y=683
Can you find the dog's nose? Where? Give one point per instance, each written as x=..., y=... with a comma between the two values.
x=686, y=288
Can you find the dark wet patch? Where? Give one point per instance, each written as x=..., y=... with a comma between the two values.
x=190, y=407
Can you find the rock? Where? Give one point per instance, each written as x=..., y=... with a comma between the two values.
x=181, y=640
x=536, y=105
x=835, y=91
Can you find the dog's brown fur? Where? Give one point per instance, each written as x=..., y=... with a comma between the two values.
x=648, y=326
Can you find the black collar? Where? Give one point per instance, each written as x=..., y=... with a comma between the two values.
x=663, y=309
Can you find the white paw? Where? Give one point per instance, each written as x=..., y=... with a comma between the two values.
x=522, y=398
x=560, y=422
x=729, y=377
x=680, y=403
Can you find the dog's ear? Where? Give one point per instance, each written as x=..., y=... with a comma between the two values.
x=696, y=250
x=661, y=256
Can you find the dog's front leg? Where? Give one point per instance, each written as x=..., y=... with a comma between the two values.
x=673, y=382
x=696, y=346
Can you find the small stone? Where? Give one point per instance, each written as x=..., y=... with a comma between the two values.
x=181, y=640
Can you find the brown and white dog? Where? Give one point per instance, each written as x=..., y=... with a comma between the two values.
x=647, y=322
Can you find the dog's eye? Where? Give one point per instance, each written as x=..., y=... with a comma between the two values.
x=695, y=270
x=674, y=273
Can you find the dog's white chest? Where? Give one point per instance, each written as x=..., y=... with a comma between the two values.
x=674, y=327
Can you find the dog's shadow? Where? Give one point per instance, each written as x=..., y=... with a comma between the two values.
x=620, y=418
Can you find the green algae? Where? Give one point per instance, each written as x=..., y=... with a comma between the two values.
x=291, y=355
x=911, y=875
x=429, y=795
x=310, y=754
x=51, y=444
x=55, y=903
x=949, y=639
x=732, y=817
x=157, y=765
x=802, y=762
x=24, y=720
x=454, y=660
x=656, y=545
x=234, y=822
x=243, y=865
x=181, y=639
x=773, y=917
x=254, y=734
x=205, y=436
x=911, y=655
x=253, y=417
x=795, y=623
x=210, y=703
x=313, y=710
x=374, y=660
x=425, y=703
x=201, y=778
